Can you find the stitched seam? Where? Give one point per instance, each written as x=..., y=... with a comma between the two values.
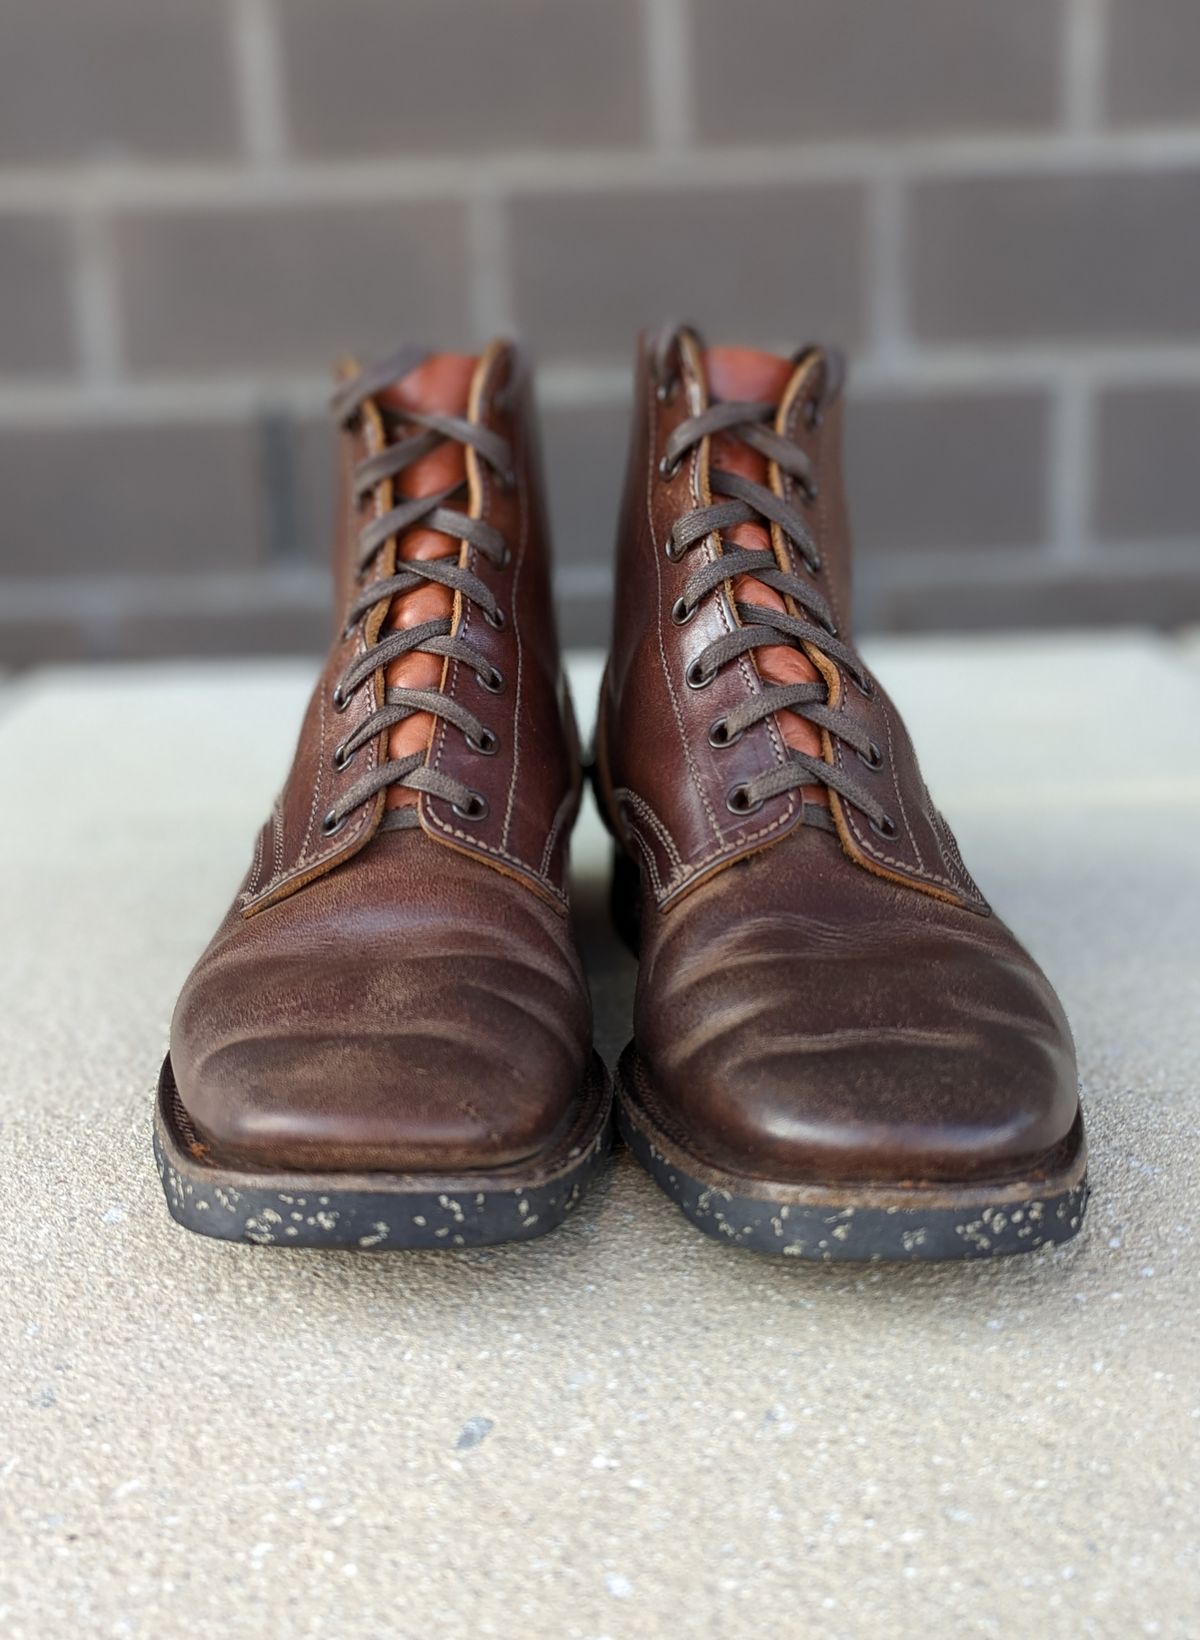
x=501, y=853
x=791, y=491
x=736, y=846
x=320, y=781
x=277, y=867
x=650, y=859
x=256, y=863
x=920, y=869
x=560, y=814
x=662, y=649
x=516, y=757
x=623, y=794
x=912, y=836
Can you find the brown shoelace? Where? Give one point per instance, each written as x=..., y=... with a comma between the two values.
x=414, y=434
x=743, y=501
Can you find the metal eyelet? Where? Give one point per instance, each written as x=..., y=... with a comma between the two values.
x=340, y=699
x=487, y=745
x=681, y=614
x=696, y=677
x=342, y=759
x=332, y=823
x=666, y=391
x=737, y=802
x=886, y=828
x=475, y=809
x=864, y=685
x=719, y=736
x=873, y=757
x=812, y=491
x=672, y=552
x=493, y=682
x=669, y=469
x=496, y=621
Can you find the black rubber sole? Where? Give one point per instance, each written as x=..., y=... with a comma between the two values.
x=870, y=1223
x=376, y=1211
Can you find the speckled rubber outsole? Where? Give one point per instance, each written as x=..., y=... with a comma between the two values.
x=376, y=1211
x=870, y=1223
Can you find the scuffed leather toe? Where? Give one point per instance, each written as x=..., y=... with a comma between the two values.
x=381, y=1020
x=801, y=1022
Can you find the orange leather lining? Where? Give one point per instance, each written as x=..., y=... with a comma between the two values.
x=441, y=383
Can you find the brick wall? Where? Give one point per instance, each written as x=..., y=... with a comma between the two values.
x=996, y=207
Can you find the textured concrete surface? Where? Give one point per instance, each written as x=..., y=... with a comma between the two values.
x=622, y=1431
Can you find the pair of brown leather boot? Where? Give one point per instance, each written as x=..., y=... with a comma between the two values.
x=839, y=1051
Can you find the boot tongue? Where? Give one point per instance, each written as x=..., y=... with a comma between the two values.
x=746, y=373
x=439, y=383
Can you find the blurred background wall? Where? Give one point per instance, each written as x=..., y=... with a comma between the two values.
x=993, y=204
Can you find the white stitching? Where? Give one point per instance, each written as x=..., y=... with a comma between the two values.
x=623, y=794
x=516, y=757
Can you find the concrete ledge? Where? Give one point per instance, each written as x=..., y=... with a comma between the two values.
x=623, y=1430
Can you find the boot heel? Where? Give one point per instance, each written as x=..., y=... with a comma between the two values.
x=625, y=899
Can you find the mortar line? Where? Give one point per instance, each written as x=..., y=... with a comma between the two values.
x=95, y=300
x=1069, y=468
x=1084, y=24
x=27, y=402
x=668, y=67
x=887, y=284
x=488, y=257
x=258, y=75
x=176, y=187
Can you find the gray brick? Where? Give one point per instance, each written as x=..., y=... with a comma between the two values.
x=585, y=470
x=828, y=68
x=36, y=330
x=80, y=79
x=1148, y=453
x=1115, y=256
x=314, y=458
x=1153, y=61
x=765, y=265
x=1166, y=599
x=291, y=286
x=181, y=499
x=952, y=472
x=260, y=628
x=369, y=76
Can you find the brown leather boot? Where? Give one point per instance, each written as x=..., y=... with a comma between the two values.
x=839, y=1051
x=388, y=1041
